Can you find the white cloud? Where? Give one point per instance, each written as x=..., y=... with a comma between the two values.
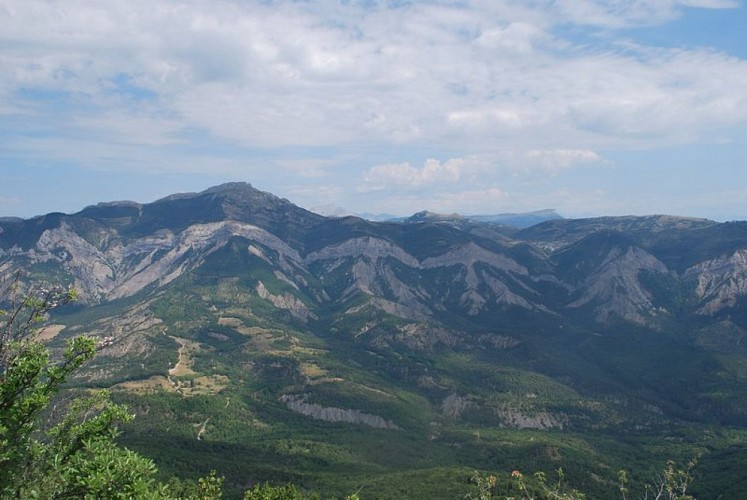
x=489, y=88
x=518, y=37
x=626, y=13
x=328, y=73
x=476, y=169
x=554, y=161
x=405, y=175
x=711, y=4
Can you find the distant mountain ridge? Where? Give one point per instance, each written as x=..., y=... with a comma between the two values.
x=518, y=220
x=114, y=249
x=573, y=325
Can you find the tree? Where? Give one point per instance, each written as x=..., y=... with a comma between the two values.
x=76, y=457
x=268, y=492
x=673, y=482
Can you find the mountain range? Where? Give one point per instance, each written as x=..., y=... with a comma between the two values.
x=277, y=344
x=518, y=220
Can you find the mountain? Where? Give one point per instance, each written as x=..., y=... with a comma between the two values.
x=520, y=220
x=271, y=343
x=517, y=220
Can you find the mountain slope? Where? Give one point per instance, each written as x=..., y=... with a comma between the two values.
x=278, y=344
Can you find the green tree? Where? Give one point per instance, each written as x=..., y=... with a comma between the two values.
x=269, y=492
x=77, y=456
x=205, y=488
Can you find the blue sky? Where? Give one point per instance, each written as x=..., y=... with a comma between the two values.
x=589, y=107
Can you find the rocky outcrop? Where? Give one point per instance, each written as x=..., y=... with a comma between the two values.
x=470, y=254
x=298, y=404
x=286, y=301
x=423, y=336
x=721, y=282
x=454, y=405
x=615, y=288
x=416, y=336
x=517, y=419
x=497, y=341
x=372, y=248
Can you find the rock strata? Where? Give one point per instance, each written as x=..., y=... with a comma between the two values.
x=298, y=404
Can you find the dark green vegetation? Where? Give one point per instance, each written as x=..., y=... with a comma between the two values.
x=395, y=359
x=74, y=456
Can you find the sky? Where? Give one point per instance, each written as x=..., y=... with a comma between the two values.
x=588, y=107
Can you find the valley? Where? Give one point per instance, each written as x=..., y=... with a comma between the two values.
x=268, y=343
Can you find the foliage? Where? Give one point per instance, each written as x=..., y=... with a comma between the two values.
x=77, y=456
x=268, y=492
x=209, y=487
x=518, y=486
x=671, y=484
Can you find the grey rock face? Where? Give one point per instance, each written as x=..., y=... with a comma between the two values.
x=286, y=301
x=122, y=269
x=373, y=248
x=521, y=420
x=615, y=287
x=720, y=282
x=298, y=404
x=453, y=405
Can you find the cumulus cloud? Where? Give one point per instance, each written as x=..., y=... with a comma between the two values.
x=404, y=174
x=504, y=87
x=475, y=169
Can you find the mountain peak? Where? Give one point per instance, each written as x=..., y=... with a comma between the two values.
x=231, y=187
x=225, y=188
x=427, y=216
x=111, y=209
